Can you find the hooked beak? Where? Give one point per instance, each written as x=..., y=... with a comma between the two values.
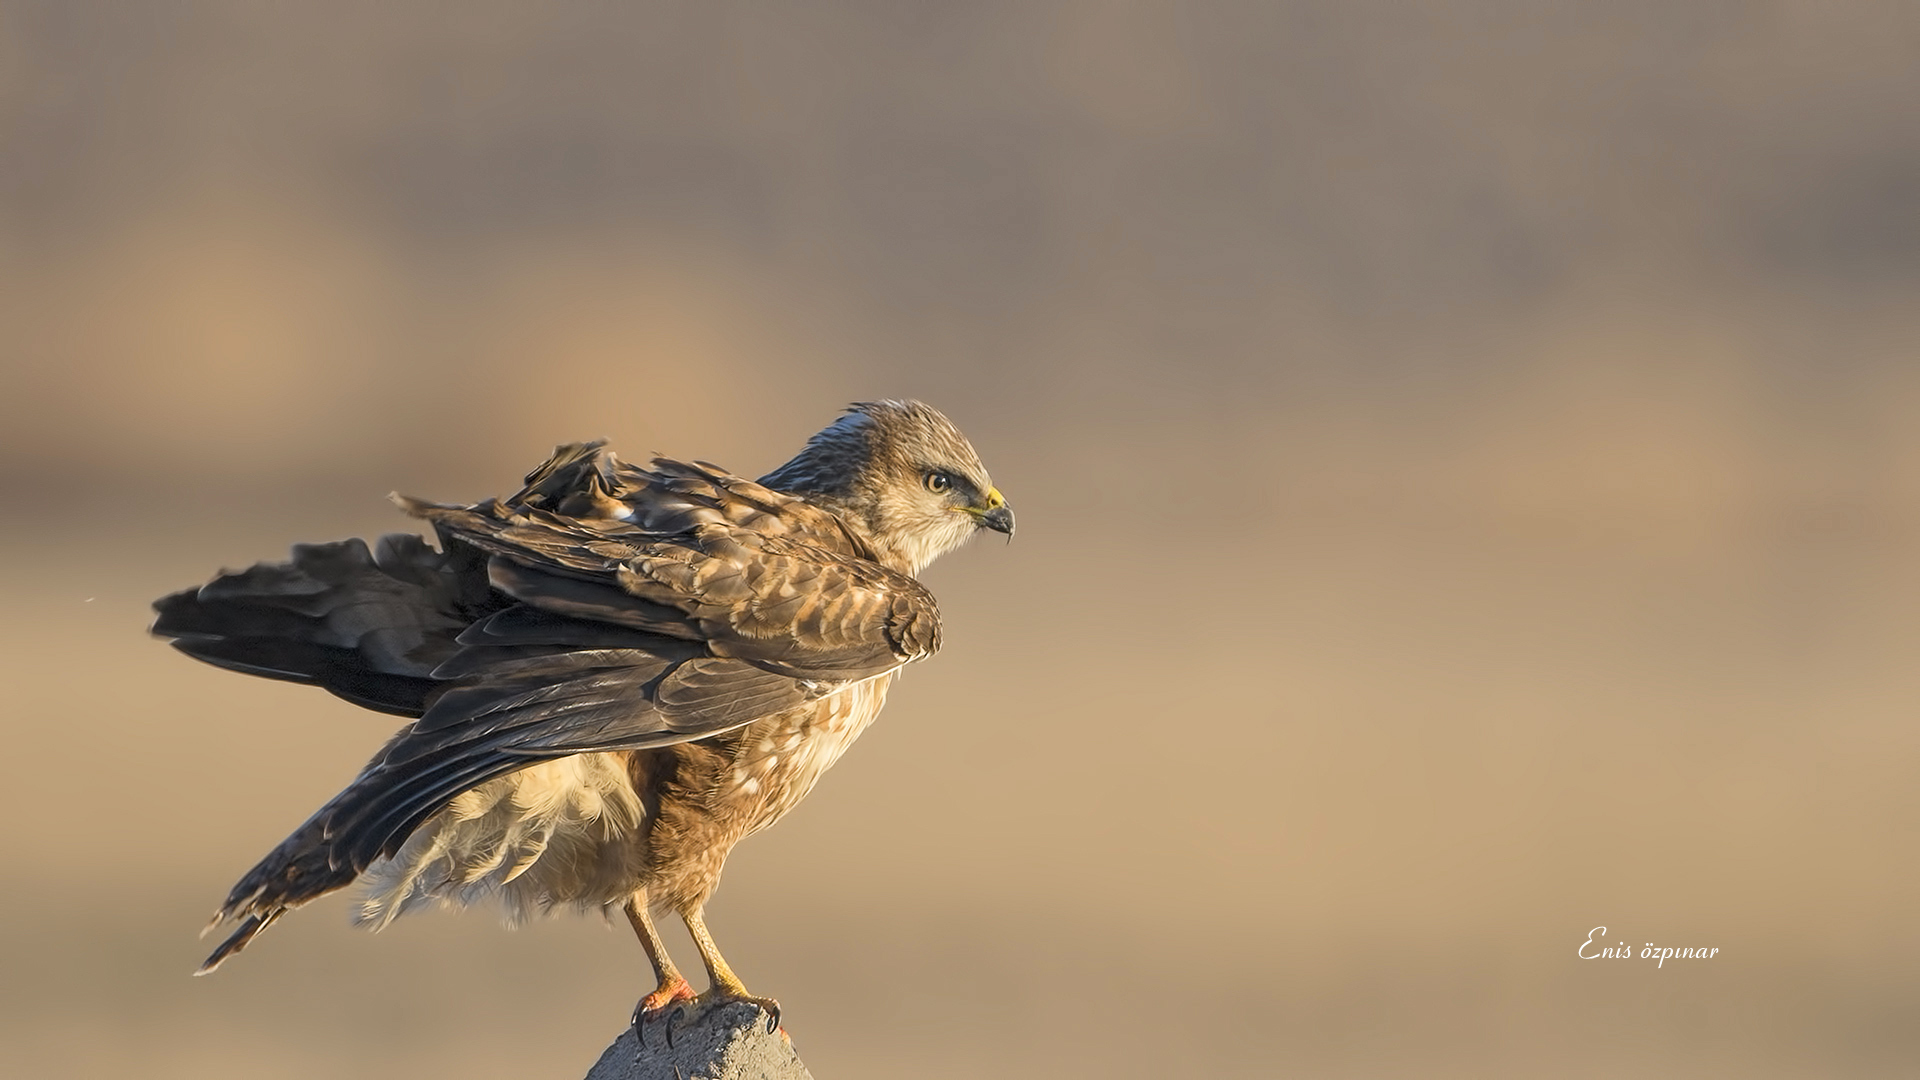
x=999, y=519
x=997, y=515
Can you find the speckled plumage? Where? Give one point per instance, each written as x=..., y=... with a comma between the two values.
x=616, y=674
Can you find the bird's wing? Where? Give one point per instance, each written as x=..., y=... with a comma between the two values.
x=702, y=606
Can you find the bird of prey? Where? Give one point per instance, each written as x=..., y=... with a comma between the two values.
x=613, y=676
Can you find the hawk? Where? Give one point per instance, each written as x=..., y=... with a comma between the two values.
x=613, y=676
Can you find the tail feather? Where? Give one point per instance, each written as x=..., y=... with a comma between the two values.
x=250, y=927
x=368, y=626
x=370, y=819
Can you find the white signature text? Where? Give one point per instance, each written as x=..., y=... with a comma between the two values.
x=1595, y=950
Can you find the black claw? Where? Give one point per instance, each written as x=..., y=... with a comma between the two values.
x=773, y=1019
x=672, y=1016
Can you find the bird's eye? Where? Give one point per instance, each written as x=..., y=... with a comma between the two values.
x=938, y=482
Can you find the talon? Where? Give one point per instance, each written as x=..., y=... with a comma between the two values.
x=669, y=995
x=773, y=1018
x=673, y=1020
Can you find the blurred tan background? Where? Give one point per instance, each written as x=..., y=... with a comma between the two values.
x=1466, y=462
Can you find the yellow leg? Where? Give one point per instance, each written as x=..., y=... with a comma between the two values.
x=672, y=986
x=724, y=985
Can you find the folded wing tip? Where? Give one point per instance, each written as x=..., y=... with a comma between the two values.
x=411, y=506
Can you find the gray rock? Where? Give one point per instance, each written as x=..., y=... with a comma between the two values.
x=728, y=1042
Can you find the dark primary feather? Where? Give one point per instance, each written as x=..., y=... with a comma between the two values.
x=367, y=626
x=603, y=607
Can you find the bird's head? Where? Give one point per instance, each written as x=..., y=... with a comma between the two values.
x=901, y=476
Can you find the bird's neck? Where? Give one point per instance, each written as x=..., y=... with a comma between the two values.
x=895, y=549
